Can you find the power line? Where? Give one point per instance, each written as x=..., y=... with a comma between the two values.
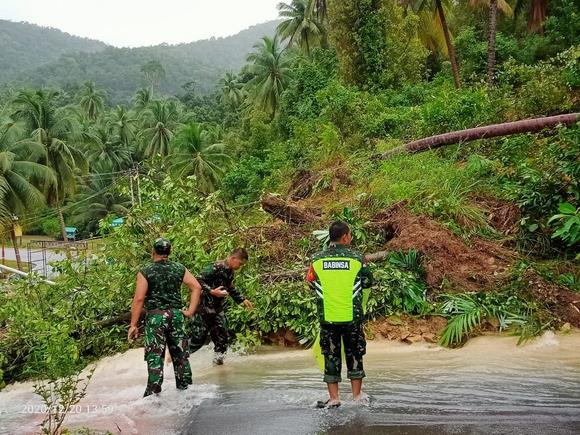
x=54, y=213
x=42, y=215
x=101, y=174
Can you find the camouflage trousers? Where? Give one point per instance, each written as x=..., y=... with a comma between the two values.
x=332, y=337
x=213, y=324
x=166, y=328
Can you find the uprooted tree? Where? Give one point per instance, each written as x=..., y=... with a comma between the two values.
x=486, y=132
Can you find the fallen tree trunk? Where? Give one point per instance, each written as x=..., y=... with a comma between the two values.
x=286, y=211
x=487, y=132
x=377, y=256
x=117, y=320
x=287, y=275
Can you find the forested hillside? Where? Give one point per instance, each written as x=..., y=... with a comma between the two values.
x=46, y=57
x=25, y=46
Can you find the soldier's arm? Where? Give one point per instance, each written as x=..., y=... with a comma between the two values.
x=206, y=277
x=236, y=295
x=141, y=288
x=239, y=298
x=366, y=275
x=195, y=287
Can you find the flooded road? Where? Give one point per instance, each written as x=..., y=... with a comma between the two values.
x=491, y=386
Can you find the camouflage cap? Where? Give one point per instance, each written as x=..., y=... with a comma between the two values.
x=162, y=246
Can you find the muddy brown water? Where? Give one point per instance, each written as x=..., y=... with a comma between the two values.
x=490, y=386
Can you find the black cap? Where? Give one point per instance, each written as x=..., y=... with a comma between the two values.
x=162, y=246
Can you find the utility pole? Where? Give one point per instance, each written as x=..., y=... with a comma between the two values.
x=131, y=187
x=138, y=187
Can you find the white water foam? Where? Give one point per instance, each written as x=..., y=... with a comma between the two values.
x=114, y=400
x=548, y=339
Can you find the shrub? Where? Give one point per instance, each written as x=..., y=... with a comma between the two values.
x=449, y=109
x=567, y=224
x=536, y=89
x=51, y=227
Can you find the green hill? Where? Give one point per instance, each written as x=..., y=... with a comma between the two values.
x=118, y=70
x=25, y=46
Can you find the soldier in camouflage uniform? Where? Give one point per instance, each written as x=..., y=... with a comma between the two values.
x=158, y=288
x=217, y=282
x=337, y=275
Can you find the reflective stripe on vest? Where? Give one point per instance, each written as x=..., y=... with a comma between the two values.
x=339, y=286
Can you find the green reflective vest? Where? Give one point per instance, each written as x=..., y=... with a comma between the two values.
x=336, y=275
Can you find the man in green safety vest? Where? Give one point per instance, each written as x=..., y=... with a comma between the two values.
x=337, y=275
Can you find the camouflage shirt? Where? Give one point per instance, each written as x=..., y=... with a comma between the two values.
x=363, y=280
x=214, y=276
x=164, y=279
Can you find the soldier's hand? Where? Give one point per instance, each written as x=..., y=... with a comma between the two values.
x=132, y=334
x=248, y=304
x=187, y=313
x=219, y=292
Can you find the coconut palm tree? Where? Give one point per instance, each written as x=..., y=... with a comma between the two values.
x=91, y=100
x=122, y=124
x=322, y=10
x=17, y=193
x=106, y=151
x=97, y=199
x=537, y=11
x=435, y=7
x=195, y=154
x=300, y=25
x=161, y=120
x=231, y=90
x=54, y=133
x=494, y=6
x=142, y=99
x=154, y=73
x=271, y=74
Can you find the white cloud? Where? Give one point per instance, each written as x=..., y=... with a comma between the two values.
x=142, y=22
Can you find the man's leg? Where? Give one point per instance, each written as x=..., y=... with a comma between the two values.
x=177, y=343
x=155, y=329
x=197, y=333
x=354, y=349
x=219, y=335
x=330, y=344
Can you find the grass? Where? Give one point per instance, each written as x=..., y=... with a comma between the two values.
x=437, y=187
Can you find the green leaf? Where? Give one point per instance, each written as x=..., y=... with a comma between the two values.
x=567, y=208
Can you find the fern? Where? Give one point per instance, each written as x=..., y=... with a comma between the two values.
x=467, y=313
x=410, y=261
x=459, y=326
x=323, y=236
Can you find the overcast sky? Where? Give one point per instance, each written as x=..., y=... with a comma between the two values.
x=136, y=23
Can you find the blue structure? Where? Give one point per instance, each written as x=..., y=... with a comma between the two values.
x=71, y=232
x=117, y=222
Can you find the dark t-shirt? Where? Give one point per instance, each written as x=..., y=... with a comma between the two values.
x=164, y=279
x=214, y=276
